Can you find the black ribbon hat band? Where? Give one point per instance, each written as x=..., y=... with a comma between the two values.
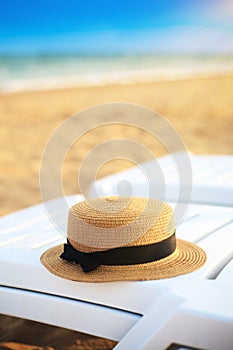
x=120, y=256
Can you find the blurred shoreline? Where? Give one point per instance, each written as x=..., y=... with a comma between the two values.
x=45, y=72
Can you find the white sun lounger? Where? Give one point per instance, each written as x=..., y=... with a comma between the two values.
x=212, y=179
x=194, y=311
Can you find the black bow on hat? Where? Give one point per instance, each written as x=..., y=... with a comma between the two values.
x=87, y=261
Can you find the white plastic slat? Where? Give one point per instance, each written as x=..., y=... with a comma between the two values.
x=226, y=275
x=31, y=228
x=212, y=180
x=19, y=220
x=219, y=249
x=215, y=168
x=199, y=161
x=30, y=238
x=36, y=214
x=150, y=325
x=190, y=321
x=199, y=329
x=223, y=176
x=200, y=226
x=67, y=313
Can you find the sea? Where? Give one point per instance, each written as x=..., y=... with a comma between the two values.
x=43, y=71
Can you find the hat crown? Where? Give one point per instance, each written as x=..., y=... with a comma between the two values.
x=109, y=222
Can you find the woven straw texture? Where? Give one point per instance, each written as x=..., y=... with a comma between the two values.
x=110, y=222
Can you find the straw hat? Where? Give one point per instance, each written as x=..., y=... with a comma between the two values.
x=122, y=239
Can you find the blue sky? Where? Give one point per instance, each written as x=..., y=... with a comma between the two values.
x=190, y=26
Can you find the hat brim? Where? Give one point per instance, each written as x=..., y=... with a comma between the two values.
x=187, y=257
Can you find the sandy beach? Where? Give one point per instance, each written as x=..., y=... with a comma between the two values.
x=201, y=110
